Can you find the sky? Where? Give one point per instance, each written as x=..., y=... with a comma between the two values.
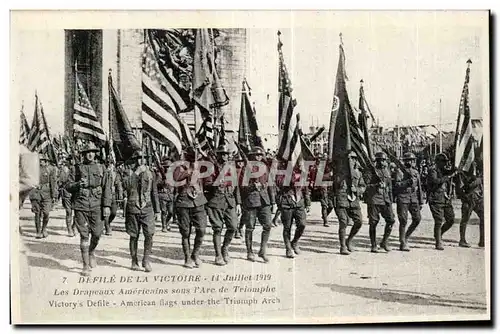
x=408, y=61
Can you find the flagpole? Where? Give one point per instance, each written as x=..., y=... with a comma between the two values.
x=440, y=128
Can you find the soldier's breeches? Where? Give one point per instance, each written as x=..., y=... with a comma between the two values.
x=326, y=208
x=343, y=215
x=113, y=210
x=220, y=217
x=42, y=207
x=192, y=217
x=89, y=222
x=375, y=211
x=134, y=222
x=404, y=208
x=442, y=213
x=263, y=214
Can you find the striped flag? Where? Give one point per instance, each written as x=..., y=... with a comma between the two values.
x=39, y=135
x=248, y=132
x=289, y=148
x=345, y=134
x=205, y=135
x=464, y=140
x=24, y=133
x=161, y=102
x=361, y=137
x=85, y=122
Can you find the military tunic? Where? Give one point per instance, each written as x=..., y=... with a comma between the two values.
x=379, y=197
x=344, y=207
x=439, y=188
x=409, y=196
x=41, y=197
x=472, y=200
x=64, y=178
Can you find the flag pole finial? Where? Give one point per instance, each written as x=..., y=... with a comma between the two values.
x=361, y=82
x=469, y=62
x=341, y=41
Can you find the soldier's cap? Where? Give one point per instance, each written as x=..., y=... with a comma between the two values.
x=409, y=156
x=256, y=151
x=441, y=157
x=89, y=147
x=223, y=149
x=380, y=156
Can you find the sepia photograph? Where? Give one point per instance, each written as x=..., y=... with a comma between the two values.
x=250, y=167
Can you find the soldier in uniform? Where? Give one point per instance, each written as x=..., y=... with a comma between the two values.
x=142, y=199
x=379, y=200
x=64, y=177
x=325, y=192
x=223, y=207
x=190, y=209
x=43, y=197
x=258, y=200
x=92, y=200
x=471, y=194
x=165, y=195
x=293, y=202
x=116, y=194
x=346, y=198
x=409, y=198
x=440, y=183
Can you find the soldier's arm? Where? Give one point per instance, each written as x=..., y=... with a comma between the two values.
x=435, y=180
x=361, y=186
x=106, y=188
x=73, y=183
x=400, y=181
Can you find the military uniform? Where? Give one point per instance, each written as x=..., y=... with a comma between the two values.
x=439, y=183
x=115, y=181
x=166, y=196
x=257, y=199
x=346, y=199
x=409, y=198
x=91, y=193
x=190, y=209
x=326, y=196
x=65, y=175
x=223, y=198
x=142, y=199
x=471, y=194
x=293, y=201
x=42, y=198
x=379, y=200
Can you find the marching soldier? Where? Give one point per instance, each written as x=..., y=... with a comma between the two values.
x=471, y=194
x=440, y=188
x=92, y=201
x=223, y=207
x=346, y=199
x=142, y=199
x=379, y=200
x=293, y=202
x=64, y=177
x=43, y=197
x=190, y=209
x=258, y=200
x=165, y=195
x=326, y=199
x=116, y=194
x=409, y=197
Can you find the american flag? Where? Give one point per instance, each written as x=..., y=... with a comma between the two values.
x=464, y=140
x=161, y=102
x=365, y=146
x=205, y=135
x=85, y=122
x=24, y=133
x=289, y=147
x=39, y=135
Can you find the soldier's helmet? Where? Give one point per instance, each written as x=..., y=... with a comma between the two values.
x=441, y=157
x=380, y=156
x=409, y=156
x=89, y=147
x=223, y=149
x=353, y=155
x=256, y=151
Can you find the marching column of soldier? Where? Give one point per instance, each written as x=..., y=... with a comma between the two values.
x=231, y=198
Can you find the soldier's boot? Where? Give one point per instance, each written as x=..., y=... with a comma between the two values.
x=69, y=226
x=287, y=234
x=84, y=249
x=38, y=226
x=354, y=230
x=446, y=226
x=195, y=255
x=107, y=227
x=133, y=246
x=167, y=221
x=163, y=222
x=410, y=231
x=385, y=239
x=228, y=237
x=219, y=261
x=94, y=241
x=249, y=245
x=263, y=245
x=463, y=241
x=343, y=244
x=186, y=249
x=325, y=220
x=403, y=245
x=373, y=238
x=45, y=222
x=239, y=231
x=298, y=233
x=437, y=237
x=148, y=249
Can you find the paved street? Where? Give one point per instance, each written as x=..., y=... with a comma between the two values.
x=319, y=285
